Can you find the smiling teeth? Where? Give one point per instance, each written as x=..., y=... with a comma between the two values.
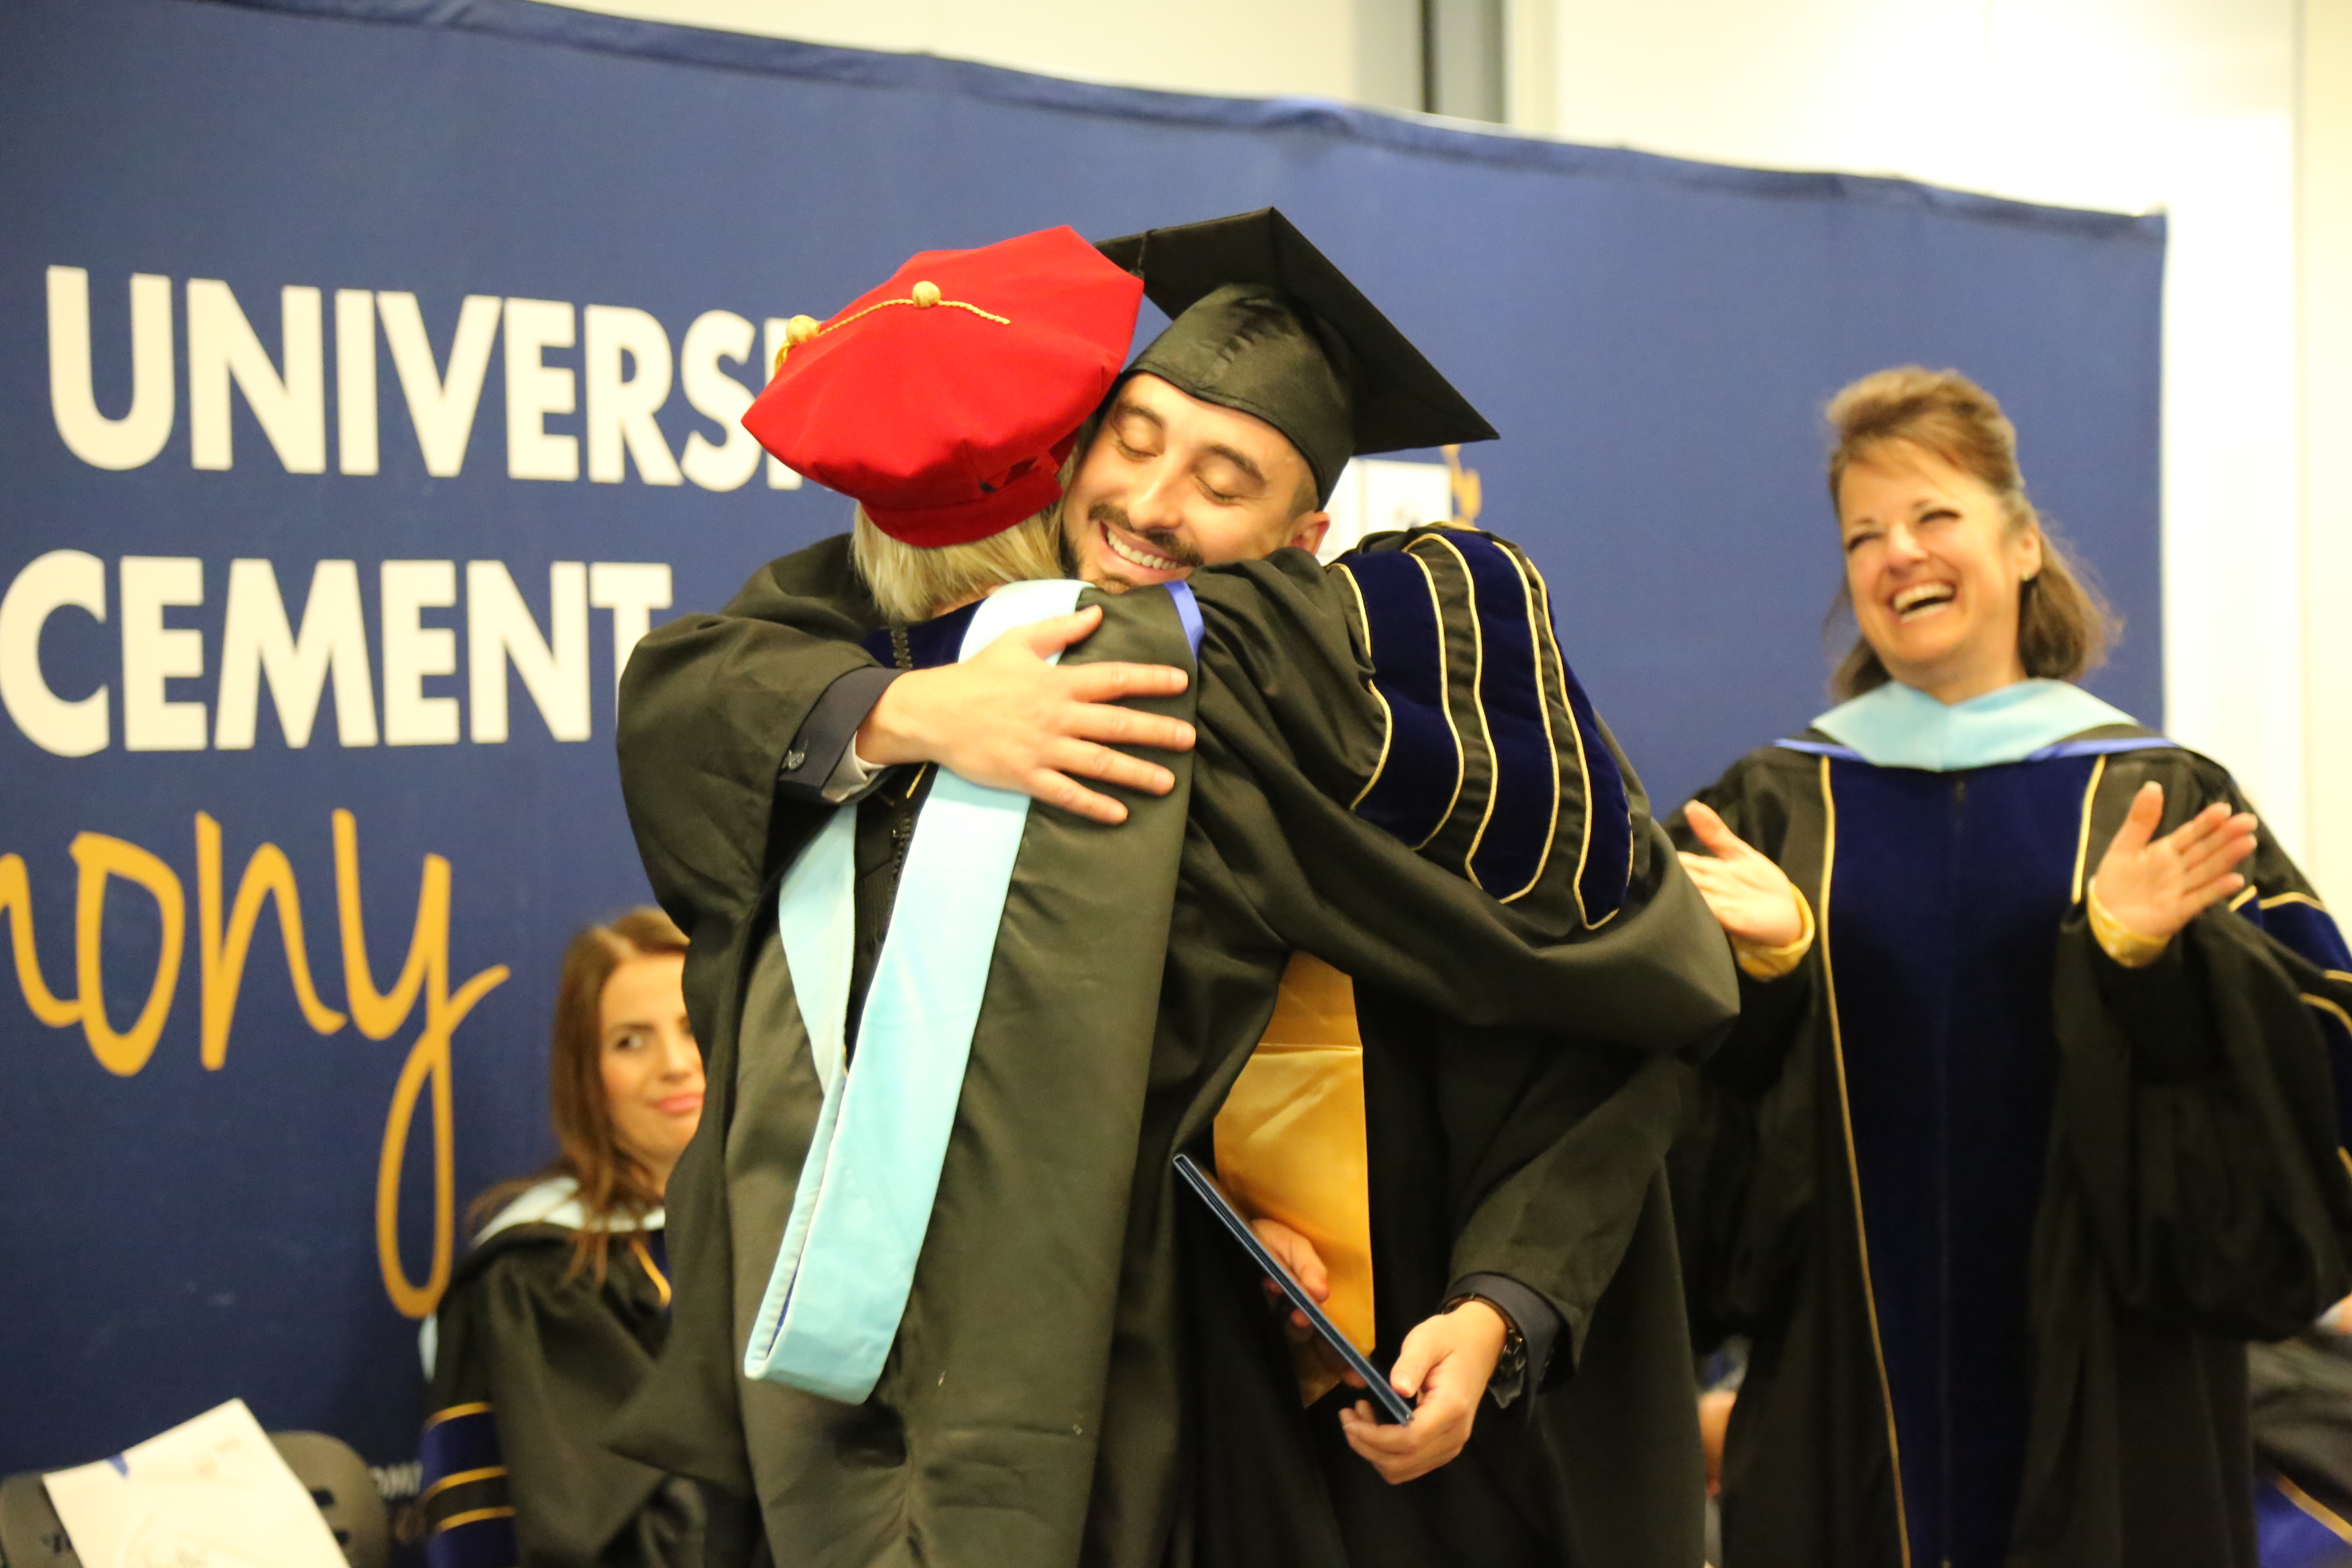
x=1128, y=552
x=1911, y=598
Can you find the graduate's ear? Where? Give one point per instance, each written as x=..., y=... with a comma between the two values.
x=1308, y=529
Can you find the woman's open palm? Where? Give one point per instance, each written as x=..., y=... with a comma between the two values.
x=2156, y=886
x=1750, y=896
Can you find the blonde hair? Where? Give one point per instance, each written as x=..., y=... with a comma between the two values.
x=911, y=583
x=2063, y=624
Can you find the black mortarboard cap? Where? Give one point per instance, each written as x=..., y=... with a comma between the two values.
x=1262, y=323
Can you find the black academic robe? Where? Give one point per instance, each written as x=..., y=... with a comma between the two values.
x=2302, y=1392
x=1085, y=1372
x=532, y=1360
x=1991, y=1202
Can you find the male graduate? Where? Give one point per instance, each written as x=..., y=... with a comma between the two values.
x=1035, y=1351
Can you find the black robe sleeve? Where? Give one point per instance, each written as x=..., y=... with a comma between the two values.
x=2302, y=1393
x=724, y=718
x=2199, y=1197
x=532, y=1361
x=1447, y=814
x=2198, y=1105
x=1398, y=773
x=1407, y=780
x=1742, y=1181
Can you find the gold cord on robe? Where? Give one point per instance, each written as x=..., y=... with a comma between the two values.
x=1291, y=1145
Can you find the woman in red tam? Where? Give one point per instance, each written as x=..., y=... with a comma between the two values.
x=947, y=403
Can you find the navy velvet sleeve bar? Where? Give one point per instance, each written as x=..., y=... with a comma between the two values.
x=826, y=733
x=1494, y=764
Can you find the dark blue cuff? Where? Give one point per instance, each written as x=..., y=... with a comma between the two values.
x=1530, y=1313
x=826, y=733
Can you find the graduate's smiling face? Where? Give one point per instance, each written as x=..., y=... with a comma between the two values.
x=652, y=1070
x=1934, y=564
x=1171, y=483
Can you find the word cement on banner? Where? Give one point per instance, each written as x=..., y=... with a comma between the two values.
x=326, y=649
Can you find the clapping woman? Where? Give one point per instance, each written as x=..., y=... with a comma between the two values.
x=552, y=1318
x=2030, y=1119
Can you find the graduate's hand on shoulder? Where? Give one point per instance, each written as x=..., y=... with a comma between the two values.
x=1445, y=1363
x=1008, y=720
x=2156, y=886
x=1751, y=898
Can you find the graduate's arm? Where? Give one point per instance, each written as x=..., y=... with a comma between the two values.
x=1417, y=789
x=1544, y=1238
x=1445, y=1364
x=736, y=729
x=1492, y=762
x=712, y=710
x=1522, y=1313
x=1010, y=720
x=1528, y=1316
x=1542, y=1244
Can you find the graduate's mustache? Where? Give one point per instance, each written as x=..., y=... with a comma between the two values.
x=1163, y=542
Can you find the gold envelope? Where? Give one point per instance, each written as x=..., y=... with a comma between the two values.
x=1291, y=1144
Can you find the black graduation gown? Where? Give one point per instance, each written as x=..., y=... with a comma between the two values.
x=2302, y=1392
x=530, y=1363
x=1984, y=1198
x=1085, y=1372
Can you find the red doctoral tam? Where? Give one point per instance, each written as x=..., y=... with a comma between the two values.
x=946, y=400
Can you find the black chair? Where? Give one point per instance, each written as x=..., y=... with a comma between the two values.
x=338, y=1479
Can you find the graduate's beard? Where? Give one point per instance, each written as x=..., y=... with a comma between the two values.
x=1163, y=542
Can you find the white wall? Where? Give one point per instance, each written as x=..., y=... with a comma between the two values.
x=2326, y=178
x=2185, y=105
x=1269, y=48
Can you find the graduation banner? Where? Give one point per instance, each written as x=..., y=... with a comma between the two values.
x=369, y=379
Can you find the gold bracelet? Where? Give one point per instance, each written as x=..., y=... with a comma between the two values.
x=2119, y=941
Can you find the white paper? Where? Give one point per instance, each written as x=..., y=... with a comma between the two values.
x=209, y=1493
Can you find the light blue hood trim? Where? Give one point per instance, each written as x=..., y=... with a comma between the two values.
x=1898, y=726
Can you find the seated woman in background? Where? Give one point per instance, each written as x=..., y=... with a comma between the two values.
x=2028, y=1122
x=553, y=1316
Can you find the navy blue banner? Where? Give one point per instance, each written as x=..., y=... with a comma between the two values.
x=368, y=380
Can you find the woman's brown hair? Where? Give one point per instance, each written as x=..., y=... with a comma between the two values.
x=613, y=1184
x=2063, y=624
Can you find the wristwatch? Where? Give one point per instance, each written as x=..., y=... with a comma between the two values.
x=1511, y=1366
